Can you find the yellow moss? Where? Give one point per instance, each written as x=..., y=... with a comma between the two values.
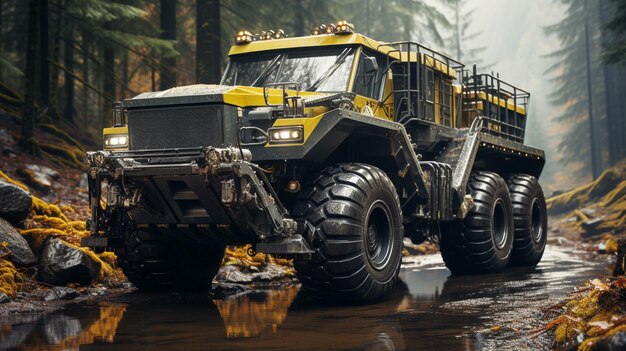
x=61, y=135
x=595, y=313
x=587, y=345
x=12, y=181
x=238, y=255
x=11, y=281
x=68, y=153
x=570, y=200
x=41, y=207
x=611, y=245
x=109, y=257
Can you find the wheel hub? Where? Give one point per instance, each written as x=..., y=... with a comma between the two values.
x=378, y=236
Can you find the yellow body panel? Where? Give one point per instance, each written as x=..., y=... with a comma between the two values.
x=495, y=100
x=384, y=111
x=115, y=130
x=253, y=96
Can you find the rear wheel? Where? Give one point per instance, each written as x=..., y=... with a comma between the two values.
x=482, y=242
x=353, y=222
x=170, y=261
x=531, y=219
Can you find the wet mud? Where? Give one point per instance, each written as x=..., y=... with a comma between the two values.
x=429, y=310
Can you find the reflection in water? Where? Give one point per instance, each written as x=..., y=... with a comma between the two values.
x=60, y=331
x=429, y=309
x=251, y=314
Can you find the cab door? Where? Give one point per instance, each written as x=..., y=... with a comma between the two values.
x=373, y=85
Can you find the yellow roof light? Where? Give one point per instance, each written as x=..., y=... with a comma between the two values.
x=343, y=27
x=321, y=29
x=243, y=37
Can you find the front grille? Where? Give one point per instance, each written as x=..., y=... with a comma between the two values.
x=175, y=127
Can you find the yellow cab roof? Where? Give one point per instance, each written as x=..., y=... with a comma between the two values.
x=338, y=39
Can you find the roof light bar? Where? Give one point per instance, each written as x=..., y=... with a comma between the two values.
x=245, y=37
x=341, y=27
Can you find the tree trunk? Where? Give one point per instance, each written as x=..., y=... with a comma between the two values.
x=208, y=44
x=28, y=117
x=1, y=37
x=109, y=80
x=298, y=25
x=68, y=62
x=168, y=31
x=85, y=103
x=124, y=63
x=44, y=65
x=56, y=53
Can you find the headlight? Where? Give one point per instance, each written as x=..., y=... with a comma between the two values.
x=116, y=141
x=285, y=135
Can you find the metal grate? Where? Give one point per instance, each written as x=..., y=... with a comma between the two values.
x=175, y=127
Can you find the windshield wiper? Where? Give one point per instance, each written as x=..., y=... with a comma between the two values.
x=267, y=71
x=329, y=72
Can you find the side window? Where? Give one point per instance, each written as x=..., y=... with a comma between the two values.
x=430, y=86
x=369, y=75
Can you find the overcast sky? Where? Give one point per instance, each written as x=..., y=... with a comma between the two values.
x=512, y=32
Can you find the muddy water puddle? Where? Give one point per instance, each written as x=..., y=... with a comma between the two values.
x=429, y=310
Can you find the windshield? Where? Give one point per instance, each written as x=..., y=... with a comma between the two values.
x=315, y=70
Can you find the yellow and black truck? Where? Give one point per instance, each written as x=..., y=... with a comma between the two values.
x=328, y=149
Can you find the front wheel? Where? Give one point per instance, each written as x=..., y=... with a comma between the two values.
x=170, y=260
x=353, y=223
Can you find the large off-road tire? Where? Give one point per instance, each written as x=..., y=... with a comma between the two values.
x=164, y=260
x=531, y=219
x=353, y=222
x=482, y=242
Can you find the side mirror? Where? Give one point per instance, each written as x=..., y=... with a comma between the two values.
x=370, y=65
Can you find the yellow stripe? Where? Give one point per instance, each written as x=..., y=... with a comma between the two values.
x=115, y=130
x=493, y=99
x=253, y=96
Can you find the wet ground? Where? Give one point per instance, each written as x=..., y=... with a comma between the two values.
x=429, y=310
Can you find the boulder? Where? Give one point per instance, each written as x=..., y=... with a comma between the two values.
x=39, y=177
x=21, y=254
x=15, y=202
x=62, y=263
x=61, y=293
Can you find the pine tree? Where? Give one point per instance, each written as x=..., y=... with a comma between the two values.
x=577, y=74
x=615, y=49
x=460, y=40
x=28, y=116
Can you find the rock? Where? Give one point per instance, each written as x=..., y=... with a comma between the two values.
x=620, y=264
x=5, y=137
x=61, y=293
x=57, y=328
x=15, y=202
x=39, y=177
x=591, y=226
x=222, y=290
x=4, y=297
x=83, y=183
x=62, y=263
x=616, y=341
x=230, y=274
x=21, y=254
x=7, y=151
